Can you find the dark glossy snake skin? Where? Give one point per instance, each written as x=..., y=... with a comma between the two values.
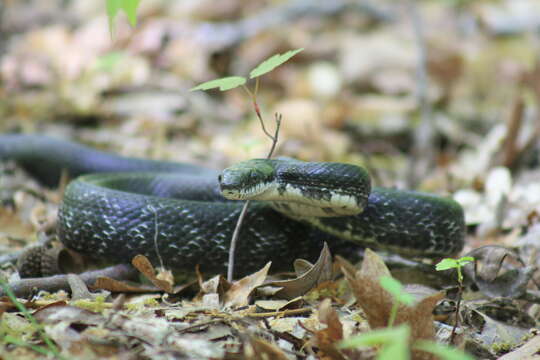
x=177, y=209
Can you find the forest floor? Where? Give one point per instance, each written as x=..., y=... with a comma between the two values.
x=437, y=96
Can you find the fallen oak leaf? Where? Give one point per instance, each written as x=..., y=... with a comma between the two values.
x=163, y=282
x=370, y=295
x=279, y=305
x=215, y=285
x=113, y=285
x=377, y=303
x=259, y=349
x=320, y=272
x=240, y=291
x=328, y=338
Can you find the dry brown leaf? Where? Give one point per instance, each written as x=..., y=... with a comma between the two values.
x=61, y=312
x=319, y=273
x=333, y=333
x=377, y=302
x=112, y=285
x=279, y=305
x=216, y=285
x=374, y=300
x=259, y=349
x=165, y=283
x=240, y=291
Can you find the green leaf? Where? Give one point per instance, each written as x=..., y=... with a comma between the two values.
x=223, y=84
x=377, y=337
x=128, y=6
x=465, y=260
x=450, y=263
x=273, y=62
x=442, y=351
x=398, y=350
x=395, y=288
x=446, y=264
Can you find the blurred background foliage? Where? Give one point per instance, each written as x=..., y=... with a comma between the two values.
x=385, y=84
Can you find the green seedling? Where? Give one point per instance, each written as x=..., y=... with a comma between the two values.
x=51, y=347
x=448, y=263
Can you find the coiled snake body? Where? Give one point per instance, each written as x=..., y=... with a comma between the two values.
x=128, y=206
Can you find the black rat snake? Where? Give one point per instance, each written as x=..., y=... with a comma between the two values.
x=127, y=206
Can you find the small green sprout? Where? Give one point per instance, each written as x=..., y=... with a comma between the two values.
x=457, y=264
x=448, y=263
x=232, y=82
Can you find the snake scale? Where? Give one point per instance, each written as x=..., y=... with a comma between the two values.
x=121, y=207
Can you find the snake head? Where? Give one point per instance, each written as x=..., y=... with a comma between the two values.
x=246, y=180
x=298, y=188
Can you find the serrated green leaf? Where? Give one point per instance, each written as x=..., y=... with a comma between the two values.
x=442, y=351
x=223, y=84
x=128, y=6
x=273, y=62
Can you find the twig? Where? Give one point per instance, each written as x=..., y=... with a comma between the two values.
x=456, y=323
x=156, y=234
x=423, y=135
x=515, y=123
x=25, y=287
x=236, y=233
x=234, y=241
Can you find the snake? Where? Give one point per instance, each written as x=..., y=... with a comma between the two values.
x=184, y=215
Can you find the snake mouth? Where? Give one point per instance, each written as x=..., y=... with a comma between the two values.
x=233, y=192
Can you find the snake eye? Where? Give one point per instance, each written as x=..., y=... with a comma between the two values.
x=219, y=178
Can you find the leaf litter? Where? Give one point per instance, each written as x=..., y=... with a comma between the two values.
x=350, y=97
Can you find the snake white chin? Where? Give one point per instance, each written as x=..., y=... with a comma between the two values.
x=293, y=202
x=256, y=192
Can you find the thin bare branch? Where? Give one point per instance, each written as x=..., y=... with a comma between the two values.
x=25, y=287
x=234, y=242
x=236, y=233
